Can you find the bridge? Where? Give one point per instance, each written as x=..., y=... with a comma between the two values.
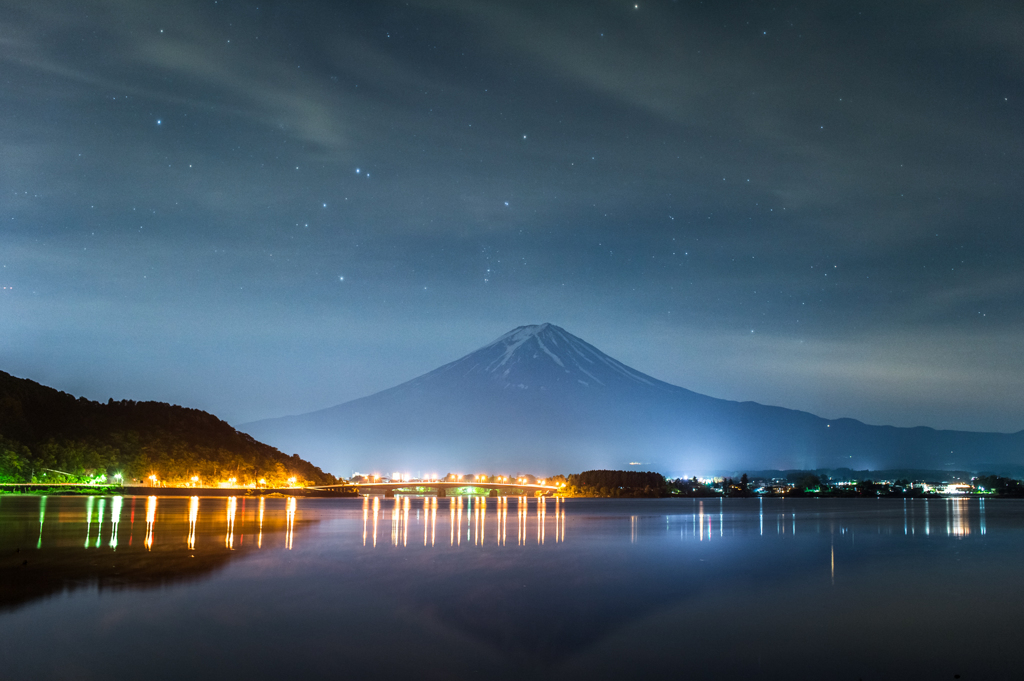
x=388, y=489
x=440, y=487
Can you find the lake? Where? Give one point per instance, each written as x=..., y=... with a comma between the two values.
x=460, y=587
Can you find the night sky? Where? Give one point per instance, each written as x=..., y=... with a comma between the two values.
x=260, y=209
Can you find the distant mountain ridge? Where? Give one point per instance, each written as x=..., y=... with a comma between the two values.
x=43, y=429
x=539, y=398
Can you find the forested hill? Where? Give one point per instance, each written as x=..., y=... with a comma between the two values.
x=45, y=432
x=616, y=484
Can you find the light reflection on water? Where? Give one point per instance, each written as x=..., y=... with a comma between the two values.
x=480, y=523
x=150, y=522
x=88, y=520
x=100, y=520
x=958, y=522
x=115, y=520
x=193, y=517
x=183, y=538
x=229, y=537
x=262, y=510
x=290, y=522
x=807, y=561
x=960, y=517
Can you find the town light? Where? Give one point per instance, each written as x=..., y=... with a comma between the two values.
x=291, y=481
x=195, y=478
x=232, y=480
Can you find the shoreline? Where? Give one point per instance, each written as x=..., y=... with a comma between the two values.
x=139, y=491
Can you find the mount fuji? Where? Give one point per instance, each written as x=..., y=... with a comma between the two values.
x=539, y=399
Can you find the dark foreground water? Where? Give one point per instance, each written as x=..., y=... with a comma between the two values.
x=163, y=588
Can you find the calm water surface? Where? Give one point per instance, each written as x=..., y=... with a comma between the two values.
x=425, y=588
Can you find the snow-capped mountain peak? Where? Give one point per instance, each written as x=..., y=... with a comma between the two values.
x=541, y=357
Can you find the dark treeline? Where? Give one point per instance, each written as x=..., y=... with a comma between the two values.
x=50, y=436
x=726, y=487
x=1003, y=487
x=616, y=484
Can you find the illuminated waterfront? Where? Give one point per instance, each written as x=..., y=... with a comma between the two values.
x=521, y=586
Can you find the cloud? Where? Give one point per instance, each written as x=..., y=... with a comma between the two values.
x=175, y=55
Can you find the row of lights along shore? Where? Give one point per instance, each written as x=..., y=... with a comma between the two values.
x=230, y=482
x=453, y=477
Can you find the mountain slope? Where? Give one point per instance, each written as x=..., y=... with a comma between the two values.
x=539, y=398
x=44, y=429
